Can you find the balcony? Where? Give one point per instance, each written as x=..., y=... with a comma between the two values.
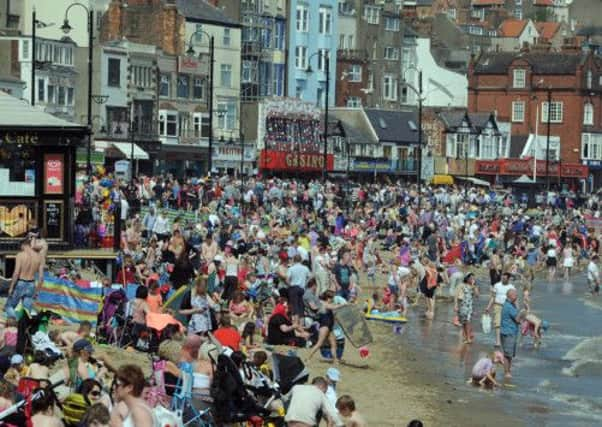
x=145, y=130
x=353, y=55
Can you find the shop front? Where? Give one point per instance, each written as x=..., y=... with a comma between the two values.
x=183, y=160
x=506, y=170
x=37, y=174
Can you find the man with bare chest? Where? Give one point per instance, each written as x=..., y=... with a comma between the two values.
x=22, y=286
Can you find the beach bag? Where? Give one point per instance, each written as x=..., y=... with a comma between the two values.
x=486, y=323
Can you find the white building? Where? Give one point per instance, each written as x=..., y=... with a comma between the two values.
x=440, y=86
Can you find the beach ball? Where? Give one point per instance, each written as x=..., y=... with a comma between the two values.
x=364, y=352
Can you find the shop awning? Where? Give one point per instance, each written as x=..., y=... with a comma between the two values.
x=442, y=180
x=126, y=149
x=475, y=181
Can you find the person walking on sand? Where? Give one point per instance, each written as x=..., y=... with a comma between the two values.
x=463, y=300
x=509, y=330
x=593, y=275
x=497, y=300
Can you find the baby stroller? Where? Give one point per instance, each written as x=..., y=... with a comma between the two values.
x=112, y=316
x=231, y=401
x=288, y=371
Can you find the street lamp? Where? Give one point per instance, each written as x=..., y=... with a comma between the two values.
x=66, y=29
x=419, y=93
x=326, y=59
x=35, y=24
x=190, y=52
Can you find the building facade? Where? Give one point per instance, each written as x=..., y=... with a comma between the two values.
x=516, y=87
x=312, y=37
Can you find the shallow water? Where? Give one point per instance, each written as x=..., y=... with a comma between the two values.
x=556, y=385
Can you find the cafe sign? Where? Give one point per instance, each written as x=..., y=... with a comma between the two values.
x=193, y=65
x=18, y=138
x=282, y=160
x=518, y=167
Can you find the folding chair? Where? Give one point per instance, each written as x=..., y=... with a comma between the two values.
x=181, y=402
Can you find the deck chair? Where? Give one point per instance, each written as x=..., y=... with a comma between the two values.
x=181, y=402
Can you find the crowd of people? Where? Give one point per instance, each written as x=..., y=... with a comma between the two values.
x=246, y=266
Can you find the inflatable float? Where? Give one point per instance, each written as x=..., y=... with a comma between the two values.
x=385, y=316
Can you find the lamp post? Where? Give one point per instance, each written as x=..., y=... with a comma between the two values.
x=326, y=60
x=190, y=52
x=419, y=93
x=66, y=29
x=348, y=145
x=549, y=110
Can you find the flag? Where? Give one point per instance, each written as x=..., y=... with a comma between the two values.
x=70, y=301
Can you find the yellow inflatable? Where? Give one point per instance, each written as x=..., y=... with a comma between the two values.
x=387, y=316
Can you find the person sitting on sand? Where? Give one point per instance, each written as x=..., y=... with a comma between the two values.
x=350, y=415
x=39, y=369
x=281, y=330
x=483, y=372
x=68, y=338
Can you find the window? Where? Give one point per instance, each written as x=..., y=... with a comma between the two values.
x=301, y=57
x=370, y=80
x=302, y=18
x=371, y=14
x=325, y=14
x=342, y=41
x=227, y=37
x=391, y=53
x=197, y=88
x=588, y=114
x=354, y=102
x=56, y=58
x=355, y=73
x=518, y=111
x=488, y=149
x=591, y=146
x=141, y=76
x=198, y=33
x=390, y=88
x=61, y=97
x=69, y=96
x=227, y=121
x=519, y=79
x=322, y=55
x=391, y=24
x=555, y=112
x=41, y=89
x=451, y=12
x=226, y=75
x=51, y=94
x=183, y=86
x=478, y=13
x=200, y=125
x=457, y=145
x=168, y=123
x=165, y=86
x=518, y=12
x=114, y=79
x=588, y=78
x=350, y=44
x=279, y=34
x=25, y=53
x=249, y=73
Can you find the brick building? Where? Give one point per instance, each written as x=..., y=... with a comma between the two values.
x=515, y=86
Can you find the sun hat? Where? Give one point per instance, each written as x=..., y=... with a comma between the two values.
x=16, y=359
x=333, y=374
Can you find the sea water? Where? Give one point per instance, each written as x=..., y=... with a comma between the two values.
x=557, y=384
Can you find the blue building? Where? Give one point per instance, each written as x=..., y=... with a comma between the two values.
x=313, y=34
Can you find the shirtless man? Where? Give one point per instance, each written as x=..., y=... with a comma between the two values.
x=22, y=286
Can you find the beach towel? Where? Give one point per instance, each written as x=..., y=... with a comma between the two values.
x=160, y=321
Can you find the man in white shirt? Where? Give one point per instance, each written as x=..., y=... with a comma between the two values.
x=161, y=227
x=297, y=276
x=307, y=401
x=593, y=275
x=497, y=300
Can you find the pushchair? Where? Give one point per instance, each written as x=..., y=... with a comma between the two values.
x=112, y=317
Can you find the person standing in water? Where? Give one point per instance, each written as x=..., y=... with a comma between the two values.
x=497, y=300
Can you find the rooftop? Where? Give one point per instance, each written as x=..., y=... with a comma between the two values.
x=512, y=27
x=16, y=112
x=547, y=63
x=547, y=30
x=394, y=125
x=201, y=11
